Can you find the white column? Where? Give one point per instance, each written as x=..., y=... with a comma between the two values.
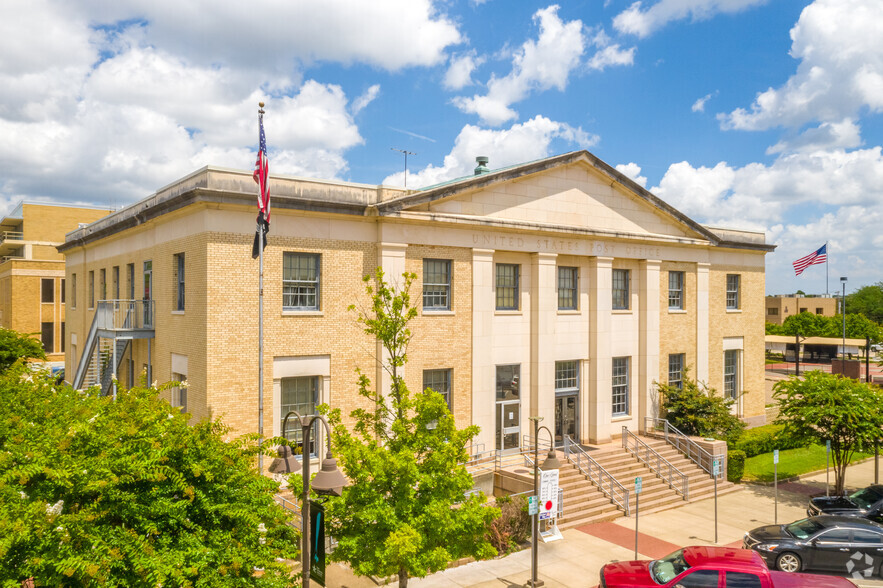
x=648, y=358
x=598, y=410
x=702, y=318
x=392, y=262
x=543, y=314
x=484, y=398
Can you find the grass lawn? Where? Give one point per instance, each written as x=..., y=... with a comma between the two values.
x=792, y=462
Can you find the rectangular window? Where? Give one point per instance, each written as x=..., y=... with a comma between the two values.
x=773, y=311
x=676, y=370
x=507, y=286
x=436, y=284
x=731, y=373
x=179, y=281
x=676, y=290
x=300, y=395
x=62, y=290
x=130, y=281
x=803, y=309
x=566, y=376
x=102, y=284
x=130, y=380
x=300, y=281
x=179, y=393
x=439, y=381
x=620, y=397
x=819, y=311
x=47, y=290
x=63, y=334
x=91, y=288
x=115, y=279
x=73, y=290
x=621, y=289
x=732, y=291
x=568, y=281
x=47, y=337
x=148, y=294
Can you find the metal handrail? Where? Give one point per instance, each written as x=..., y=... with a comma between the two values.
x=699, y=455
x=13, y=236
x=123, y=315
x=663, y=468
x=596, y=474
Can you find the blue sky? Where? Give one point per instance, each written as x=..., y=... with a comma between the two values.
x=760, y=114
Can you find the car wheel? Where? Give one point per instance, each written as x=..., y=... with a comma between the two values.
x=788, y=562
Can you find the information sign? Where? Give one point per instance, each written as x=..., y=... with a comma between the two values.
x=775, y=456
x=716, y=468
x=638, y=485
x=532, y=505
x=548, y=506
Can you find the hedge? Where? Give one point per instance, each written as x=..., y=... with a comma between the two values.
x=763, y=439
x=735, y=465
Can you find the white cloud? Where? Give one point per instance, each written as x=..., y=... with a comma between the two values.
x=699, y=105
x=845, y=134
x=635, y=21
x=612, y=55
x=518, y=144
x=459, y=74
x=365, y=99
x=633, y=172
x=840, y=71
x=537, y=66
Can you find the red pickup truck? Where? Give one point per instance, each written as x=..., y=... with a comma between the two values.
x=710, y=567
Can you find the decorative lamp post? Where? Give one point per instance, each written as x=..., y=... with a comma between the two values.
x=843, y=311
x=551, y=463
x=329, y=481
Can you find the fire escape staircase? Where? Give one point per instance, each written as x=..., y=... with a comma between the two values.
x=115, y=324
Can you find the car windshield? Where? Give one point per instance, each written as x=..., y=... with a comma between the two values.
x=864, y=498
x=803, y=528
x=667, y=569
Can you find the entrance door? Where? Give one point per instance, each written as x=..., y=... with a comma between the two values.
x=148, y=292
x=566, y=411
x=508, y=425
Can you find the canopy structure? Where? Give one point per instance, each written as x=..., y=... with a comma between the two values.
x=780, y=342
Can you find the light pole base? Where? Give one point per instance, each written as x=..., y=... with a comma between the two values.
x=532, y=584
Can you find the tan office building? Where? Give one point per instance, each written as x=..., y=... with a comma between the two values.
x=779, y=308
x=557, y=288
x=32, y=284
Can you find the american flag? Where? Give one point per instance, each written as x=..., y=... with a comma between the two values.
x=262, y=177
x=820, y=255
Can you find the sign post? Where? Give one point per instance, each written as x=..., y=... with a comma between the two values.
x=532, y=505
x=776, y=486
x=827, y=465
x=317, y=542
x=637, y=495
x=716, y=470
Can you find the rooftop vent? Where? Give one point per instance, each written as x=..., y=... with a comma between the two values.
x=482, y=167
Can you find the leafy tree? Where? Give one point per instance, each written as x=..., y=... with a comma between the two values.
x=696, y=409
x=15, y=345
x=822, y=406
x=867, y=300
x=807, y=324
x=774, y=329
x=97, y=492
x=404, y=512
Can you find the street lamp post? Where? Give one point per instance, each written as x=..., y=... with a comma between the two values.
x=551, y=463
x=843, y=312
x=329, y=481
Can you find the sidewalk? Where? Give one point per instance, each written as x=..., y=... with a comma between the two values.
x=576, y=560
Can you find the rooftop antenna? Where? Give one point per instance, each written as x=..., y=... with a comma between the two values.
x=406, y=154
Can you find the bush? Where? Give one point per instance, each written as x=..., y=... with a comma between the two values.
x=764, y=440
x=512, y=527
x=696, y=409
x=735, y=465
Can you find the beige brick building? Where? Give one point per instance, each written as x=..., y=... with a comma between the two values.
x=779, y=308
x=32, y=283
x=558, y=288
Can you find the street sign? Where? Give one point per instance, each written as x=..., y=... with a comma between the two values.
x=638, y=485
x=716, y=468
x=828, y=445
x=775, y=456
x=548, y=506
x=317, y=542
x=532, y=505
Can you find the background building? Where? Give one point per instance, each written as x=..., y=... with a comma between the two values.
x=32, y=283
x=558, y=287
x=779, y=308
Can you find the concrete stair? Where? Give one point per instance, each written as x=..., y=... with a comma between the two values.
x=584, y=503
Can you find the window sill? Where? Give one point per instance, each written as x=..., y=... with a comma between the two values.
x=620, y=418
x=507, y=312
x=734, y=311
x=303, y=313
x=430, y=312
x=621, y=311
x=677, y=311
x=180, y=312
x=569, y=311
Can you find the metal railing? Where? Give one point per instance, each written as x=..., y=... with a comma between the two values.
x=700, y=456
x=13, y=236
x=596, y=474
x=123, y=315
x=663, y=468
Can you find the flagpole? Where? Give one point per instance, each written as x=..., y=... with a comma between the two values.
x=827, y=257
x=260, y=230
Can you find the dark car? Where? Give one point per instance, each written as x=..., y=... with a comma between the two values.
x=847, y=546
x=867, y=502
x=709, y=567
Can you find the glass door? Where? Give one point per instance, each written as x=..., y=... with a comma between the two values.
x=508, y=409
x=148, y=292
x=566, y=415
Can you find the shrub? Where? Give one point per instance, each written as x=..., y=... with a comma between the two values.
x=764, y=440
x=512, y=527
x=735, y=465
x=696, y=409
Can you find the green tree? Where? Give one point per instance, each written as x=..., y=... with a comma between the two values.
x=696, y=409
x=97, y=492
x=807, y=325
x=774, y=329
x=821, y=406
x=404, y=512
x=15, y=345
x=867, y=300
